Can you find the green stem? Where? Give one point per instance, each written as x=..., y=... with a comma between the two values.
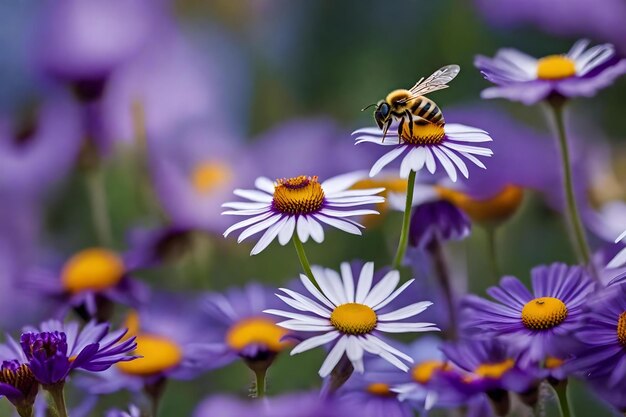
x=493, y=252
x=557, y=106
x=561, y=393
x=58, y=399
x=443, y=276
x=259, y=387
x=98, y=202
x=304, y=261
x=404, y=234
x=25, y=411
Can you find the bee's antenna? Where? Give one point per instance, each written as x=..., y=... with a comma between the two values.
x=365, y=108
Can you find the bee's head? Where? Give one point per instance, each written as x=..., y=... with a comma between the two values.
x=382, y=114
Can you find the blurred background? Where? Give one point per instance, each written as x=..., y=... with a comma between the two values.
x=122, y=119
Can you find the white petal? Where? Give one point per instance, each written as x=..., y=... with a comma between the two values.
x=406, y=327
x=315, y=292
x=475, y=160
x=347, y=213
x=305, y=319
x=254, y=195
x=339, y=224
x=326, y=285
x=333, y=357
x=342, y=182
x=247, y=222
x=355, y=193
x=246, y=212
x=365, y=282
x=447, y=164
x=304, y=327
x=418, y=158
x=317, y=233
x=348, y=281
x=408, y=311
x=621, y=236
x=430, y=400
x=312, y=305
x=383, y=289
x=314, y=342
x=375, y=349
x=265, y=184
x=303, y=229
x=394, y=295
x=458, y=128
x=406, y=166
x=578, y=48
x=378, y=140
x=430, y=161
x=258, y=227
x=476, y=150
x=354, y=351
x=594, y=57
x=457, y=161
x=386, y=159
x=286, y=233
x=245, y=206
x=385, y=346
x=618, y=260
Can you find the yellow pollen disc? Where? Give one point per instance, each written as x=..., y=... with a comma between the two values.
x=494, y=370
x=379, y=388
x=298, y=195
x=555, y=67
x=260, y=331
x=497, y=208
x=552, y=362
x=208, y=176
x=424, y=133
x=543, y=313
x=93, y=269
x=158, y=354
x=424, y=371
x=621, y=328
x=354, y=318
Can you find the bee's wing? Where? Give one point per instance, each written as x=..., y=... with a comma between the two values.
x=437, y=81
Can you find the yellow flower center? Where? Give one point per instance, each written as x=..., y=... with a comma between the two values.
x=424, y=371
x=494, y=370
x=621, y=329
x=379, y=388
x=208, y=176
x=158, y=354
x=298, y=195
x=543, y=313
x=260, y=331
x=424, y=133
x=555, y=67
x=354, y=318
x=497, y=208
x=93, y=269
x=552, y=362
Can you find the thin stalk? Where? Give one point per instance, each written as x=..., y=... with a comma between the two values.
x=259, y=387
x=404, y=233
x=99, y=207
x=557, y=105
x=492, y=252
x=561, y=393
x=304, y=261
x=435, y=249
x=25, y=410
x=58, y=399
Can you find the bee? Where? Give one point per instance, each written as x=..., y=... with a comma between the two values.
x=409, y=106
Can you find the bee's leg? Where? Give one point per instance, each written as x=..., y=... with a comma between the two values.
x=401, y=128
x=409, y=116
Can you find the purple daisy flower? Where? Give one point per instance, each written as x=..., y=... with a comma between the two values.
x=36, y=153
x=349, y=316
x=55, y=349
x=171, y=344
x=603, y=356
x=428, y=146
x=580, y=72
x=227, y=406
x=18, y=385
x=90, y=281
x=244, y=331
x=437, y=221
x=536, y=322
x=299, y=205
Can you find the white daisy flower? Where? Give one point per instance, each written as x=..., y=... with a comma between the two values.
x=349, y=317
x=429, y=145
x=300, y=205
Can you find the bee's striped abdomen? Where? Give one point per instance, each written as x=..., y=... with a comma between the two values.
x=428, y=110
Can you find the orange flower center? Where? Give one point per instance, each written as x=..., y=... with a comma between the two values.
x=497, y=208
x=209, y=176
x=298, y=195
x=257, y=330
x=94, y=269
x=354, y=318
x=543, y=313
x=423, y=133
x=621, y=329
x=424, y=371
x=555, y=67
x=494, y=370
x=379, y=388
x=158, y=354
